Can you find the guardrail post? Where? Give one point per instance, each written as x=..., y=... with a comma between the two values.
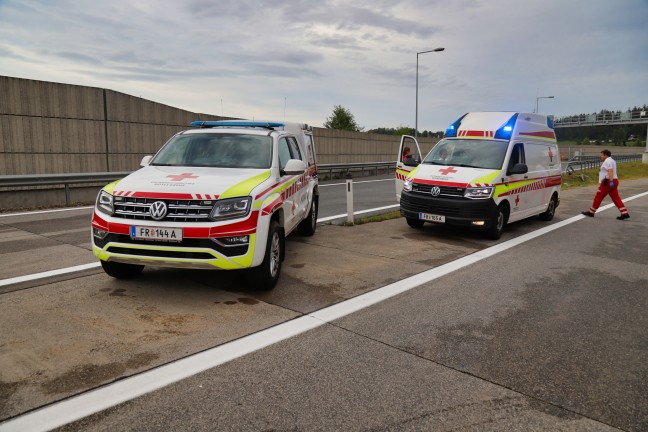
x=67, y=194
x=349, y=184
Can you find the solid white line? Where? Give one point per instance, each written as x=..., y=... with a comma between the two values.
x=34, y=276
x=93, y=401
x=44, y=211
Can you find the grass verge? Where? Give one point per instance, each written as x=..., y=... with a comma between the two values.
x=589, y=177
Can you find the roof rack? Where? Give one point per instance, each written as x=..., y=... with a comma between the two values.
x=236, y=123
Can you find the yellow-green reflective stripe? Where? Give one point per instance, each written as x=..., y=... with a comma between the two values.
x=110, y=188
x=487, y=179
x=504, y=188
x=245, y=187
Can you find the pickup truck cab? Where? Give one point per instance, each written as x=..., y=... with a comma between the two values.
x=490, y=169
x=223, y=195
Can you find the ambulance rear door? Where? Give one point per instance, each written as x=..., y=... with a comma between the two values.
x=406, y=162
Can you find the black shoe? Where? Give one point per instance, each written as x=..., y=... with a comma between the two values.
x=589, y=213
x=623, y=216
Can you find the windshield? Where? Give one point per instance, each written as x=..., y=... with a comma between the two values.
x=474, y=153
x=216, y=150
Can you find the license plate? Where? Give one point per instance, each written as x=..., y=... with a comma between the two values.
x=156, y=233
x=432, y=217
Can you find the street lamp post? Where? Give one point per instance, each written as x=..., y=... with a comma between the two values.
x=417, y=62
x=541, y=97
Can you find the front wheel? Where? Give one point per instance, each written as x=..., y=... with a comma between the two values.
x=121, y=270
x=266, y=276
x=496, y=229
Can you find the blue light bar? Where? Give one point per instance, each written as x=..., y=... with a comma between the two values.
x=506, y=131
x=236, y=123
x=452, y=129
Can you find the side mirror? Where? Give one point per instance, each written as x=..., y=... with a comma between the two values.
x=146, y=160
x=518, y=168
x=295, y=167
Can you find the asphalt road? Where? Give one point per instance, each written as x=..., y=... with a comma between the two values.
x=526, y=333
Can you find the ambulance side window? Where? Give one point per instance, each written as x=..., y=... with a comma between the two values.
x=517, y=155
x=284, y=153
x=294, y=148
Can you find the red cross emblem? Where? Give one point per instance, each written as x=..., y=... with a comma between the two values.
x=447, y=171
x=550, y=155
x=517, y=200
x=183, y=176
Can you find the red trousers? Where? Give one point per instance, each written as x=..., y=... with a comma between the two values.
x=603, y=191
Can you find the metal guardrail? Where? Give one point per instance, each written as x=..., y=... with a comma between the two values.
x=33, y=180
x=587, y=162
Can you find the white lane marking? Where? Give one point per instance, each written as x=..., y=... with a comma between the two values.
x=93, y=401
x=34, y=276
x=356, y=182
x=340, y=216
x=44, y=211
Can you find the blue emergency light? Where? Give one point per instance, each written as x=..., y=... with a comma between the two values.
x=452, y=129
x=506, y=131
x=236, y=123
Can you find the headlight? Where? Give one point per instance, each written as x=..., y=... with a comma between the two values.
x=231, y=208
x=407, y=185
x=479, y=192
x=105, y=203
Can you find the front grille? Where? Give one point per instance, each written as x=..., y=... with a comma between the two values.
x=178, y=210
x=447, y=191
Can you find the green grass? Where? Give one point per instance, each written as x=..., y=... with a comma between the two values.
x=589, y=177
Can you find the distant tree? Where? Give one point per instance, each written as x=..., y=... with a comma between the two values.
x=403, y=130
x=342, y=119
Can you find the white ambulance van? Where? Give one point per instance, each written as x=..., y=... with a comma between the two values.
x=223, y=195
x=490, y=169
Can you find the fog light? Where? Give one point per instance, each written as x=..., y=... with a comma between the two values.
x=100, y=234
x=478, y=223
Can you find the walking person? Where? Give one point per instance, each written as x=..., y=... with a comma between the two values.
x=608, y=184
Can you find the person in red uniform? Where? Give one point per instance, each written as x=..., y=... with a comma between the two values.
x=608, y=184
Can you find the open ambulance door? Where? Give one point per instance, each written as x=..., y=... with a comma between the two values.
x=406, y=163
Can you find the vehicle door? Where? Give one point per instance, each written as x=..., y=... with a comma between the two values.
x=519, y=197
x=301, y=187
x=407, y=158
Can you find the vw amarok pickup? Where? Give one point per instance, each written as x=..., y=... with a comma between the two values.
x=223, y=195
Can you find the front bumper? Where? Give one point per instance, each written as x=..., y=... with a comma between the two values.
x=456, y=210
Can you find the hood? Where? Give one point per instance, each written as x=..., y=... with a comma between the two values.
x=454, y=175
x=189, y=182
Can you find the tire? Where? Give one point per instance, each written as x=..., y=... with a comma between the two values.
x=415, y=223
x=307, y=226
x=496, y=229
x=551, y=210
x=266, y=276
x=120, y=270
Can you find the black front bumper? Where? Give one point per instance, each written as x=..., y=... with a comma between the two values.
x=457, y=210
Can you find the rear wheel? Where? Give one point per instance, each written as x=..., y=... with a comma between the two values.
x=307, y=226
x=121, y=270
x=496, y=229
x=414, y=223
x=551, y=210
x=266, y=276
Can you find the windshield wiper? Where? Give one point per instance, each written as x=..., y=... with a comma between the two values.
x=161, y=164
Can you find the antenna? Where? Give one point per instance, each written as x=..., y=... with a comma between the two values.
x=285, y=101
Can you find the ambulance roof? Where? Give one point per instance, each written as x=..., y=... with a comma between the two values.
x=505, y=125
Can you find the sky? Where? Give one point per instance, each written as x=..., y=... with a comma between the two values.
x=296, y=60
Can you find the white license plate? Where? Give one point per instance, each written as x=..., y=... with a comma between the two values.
x=432, y=217
x=156, y=233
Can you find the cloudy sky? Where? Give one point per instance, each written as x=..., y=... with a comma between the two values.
x=297, y=59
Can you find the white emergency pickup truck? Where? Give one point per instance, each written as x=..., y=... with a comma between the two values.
x=223, y=195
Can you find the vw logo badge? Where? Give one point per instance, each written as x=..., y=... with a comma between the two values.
x=435, y=191
x=158, y=210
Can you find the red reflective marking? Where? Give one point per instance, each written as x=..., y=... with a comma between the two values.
x=180, y=177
